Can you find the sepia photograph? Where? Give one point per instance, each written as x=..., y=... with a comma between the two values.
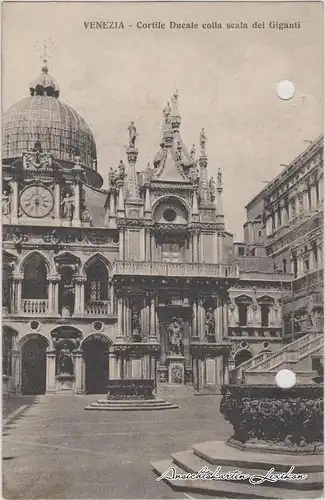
x=162, y=250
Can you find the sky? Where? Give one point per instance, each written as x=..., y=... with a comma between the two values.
x=226, y=79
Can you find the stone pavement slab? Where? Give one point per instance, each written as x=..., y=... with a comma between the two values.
x=59, y=450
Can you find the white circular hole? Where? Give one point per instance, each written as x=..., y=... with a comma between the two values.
x=285, y=89
x=285, y=379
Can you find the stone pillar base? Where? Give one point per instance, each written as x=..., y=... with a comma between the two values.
x=65, y=384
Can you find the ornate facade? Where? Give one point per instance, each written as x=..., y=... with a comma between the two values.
x=134, y=280
x=285, y=222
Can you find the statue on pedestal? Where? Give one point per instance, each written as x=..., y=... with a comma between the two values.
x=175, y=330
x=65, y=361
x=136, y=329
x=209, y=323
x=132, y=134
x=6, y=203
x=202, y=140
x=67, y=206
x=121, y=171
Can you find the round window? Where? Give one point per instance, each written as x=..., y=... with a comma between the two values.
x=169, y=214
x=265, y=344
x=98, y=326
x=244, y=344
x=34, y=325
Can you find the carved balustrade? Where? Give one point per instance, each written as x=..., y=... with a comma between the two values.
x=98, y=308
x=176, y=269
x=35, y=306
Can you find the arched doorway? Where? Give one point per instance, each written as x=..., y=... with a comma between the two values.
x=96, y=357
x=242, y=356
x=34, y=366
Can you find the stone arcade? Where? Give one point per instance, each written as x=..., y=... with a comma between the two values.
x=137, y=280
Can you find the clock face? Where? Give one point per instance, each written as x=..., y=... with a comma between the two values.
x=36, y=201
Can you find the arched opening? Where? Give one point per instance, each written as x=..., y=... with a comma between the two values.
x=34, y=283
x=242, y=356
x=97, y=300
x=34, y=365
x=8, y=262
x=96, y=357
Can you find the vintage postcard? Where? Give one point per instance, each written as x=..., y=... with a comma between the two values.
x=162, y=264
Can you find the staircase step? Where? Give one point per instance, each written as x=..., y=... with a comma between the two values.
x=190, y=462
x=131, y=402
x=132, y=407
x=226, y=489
x=220, y=453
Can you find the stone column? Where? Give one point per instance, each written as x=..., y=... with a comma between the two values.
x=17, y=295
x=53, y=281
x=284, y=215
x=76, y=217
x=321, y=188
x=50, y=370
x=194, y=329
x=79, y=372
x=152, y=319
x=195, y=246
x=313, y=192
x=15, y=369
x=120, y=332
x=112, y=366
x=14, y=202
x=226, y=376
x=269, y=228
x=201, y=318
x=57, y=201
x=127, y=317
x=121, y=243
x=305, y=200
x=77, y=298
x=290, y=210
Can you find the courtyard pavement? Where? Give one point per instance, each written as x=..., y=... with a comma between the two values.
x=56, y=449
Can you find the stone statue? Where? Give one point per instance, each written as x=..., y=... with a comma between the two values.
x=136, y=329
x=167, y=113
x=212, y=188
x=6, y=203
x=121, y=171
x=65, y=361
x=132, y=134
x=175, y=336
x=112, y=178
x=202, y=140
x=174, y=102
x=192, y=154
x=209, y=322
x=219, y=178
x=67, y=206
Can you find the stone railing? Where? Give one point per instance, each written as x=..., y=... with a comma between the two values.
x=268, y=418
x=34, y=306
x=176, y=269
x=254, y=331
x=262, y=360
x=98, y=308
x=291, y=353
x=265, y=276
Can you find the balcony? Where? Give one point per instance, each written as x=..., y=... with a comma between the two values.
x=98, y=308
x=34, y=306
x=176, y=269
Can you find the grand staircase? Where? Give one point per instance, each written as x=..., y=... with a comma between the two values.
x=295, y=356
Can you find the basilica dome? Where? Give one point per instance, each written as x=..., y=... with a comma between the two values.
x=42, y=117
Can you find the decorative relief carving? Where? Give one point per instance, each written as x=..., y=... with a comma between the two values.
x=269, y=417
x=37, y=161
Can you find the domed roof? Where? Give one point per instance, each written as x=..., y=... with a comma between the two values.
x=44, y=118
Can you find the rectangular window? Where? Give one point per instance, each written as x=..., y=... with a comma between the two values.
x=243, y=314
x=264, y=308
x=241, y=250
